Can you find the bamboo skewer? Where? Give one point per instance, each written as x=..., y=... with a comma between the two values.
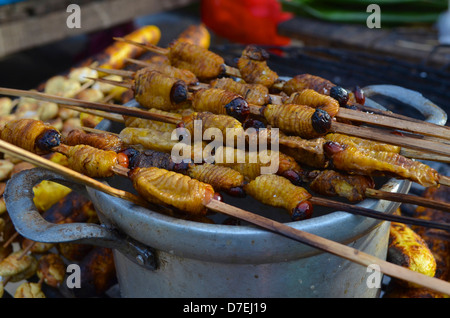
x=118, y=109
x=312, y=240
x=384, y=136
x=406, y=198
x=396, y=123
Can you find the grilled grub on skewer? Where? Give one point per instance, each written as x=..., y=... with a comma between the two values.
x=156, y=90
x=185, y=75
x=310, y=97
x=17, y=267
x=104, y=141
x=323, y=86
x=226, y=124
x=361, y=143
x=93, y=162
x=51, y=269
x=406, y=248
x=299, y=120
x=221, y=178
x=221, y=102
x=371, y=163
x=279, y=192
x=200, y=61
x=256, y=94
x=148, y=138
x=253, y=67
x=160, y=186
x=334, y=183
x=30, y=134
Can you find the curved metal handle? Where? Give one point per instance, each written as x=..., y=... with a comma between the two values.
x=433, y=113
x=29, y=223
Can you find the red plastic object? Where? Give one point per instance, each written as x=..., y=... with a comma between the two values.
x=245, y=21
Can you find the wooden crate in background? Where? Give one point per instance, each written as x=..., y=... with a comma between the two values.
x=32, y=23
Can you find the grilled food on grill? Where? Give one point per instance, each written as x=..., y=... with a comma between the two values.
x=310, y=97
x=219, y=177
x=256, y=94
x=104, y=141
x=253, y=67
x=406, y=248
x=299, y=120
x=203, y=63
x=148, y=138
x=361, y=143
x=91, y=161
x=51, y=269
x=32, y=135
x=279, y=192
x=196, y=34
x=323, y=86
x=153, y=89
x=372, y=163
x=17, y=267
x=165, y=187
x=437, y=240
x=334, y=183
x=115, y=55
x=98, y=273
x=227, y=125
x=221, y=102
x=29, y=290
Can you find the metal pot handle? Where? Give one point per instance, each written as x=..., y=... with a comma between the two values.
x=432, y=113
x=29, y=223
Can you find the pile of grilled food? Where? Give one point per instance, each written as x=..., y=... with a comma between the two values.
x=178, y=86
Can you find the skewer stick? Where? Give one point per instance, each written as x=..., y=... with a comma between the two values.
x=118, y=109
x=26, y=250
x=388, y=113
x=312, y=240
x=406, y=198
x=100, y=113
x=11, y=239
x=383, y=136
x=399, y=124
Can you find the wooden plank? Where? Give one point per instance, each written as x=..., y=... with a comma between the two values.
x=415, y=44
x=95, y=15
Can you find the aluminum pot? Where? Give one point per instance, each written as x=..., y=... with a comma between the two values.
x=157, y=255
